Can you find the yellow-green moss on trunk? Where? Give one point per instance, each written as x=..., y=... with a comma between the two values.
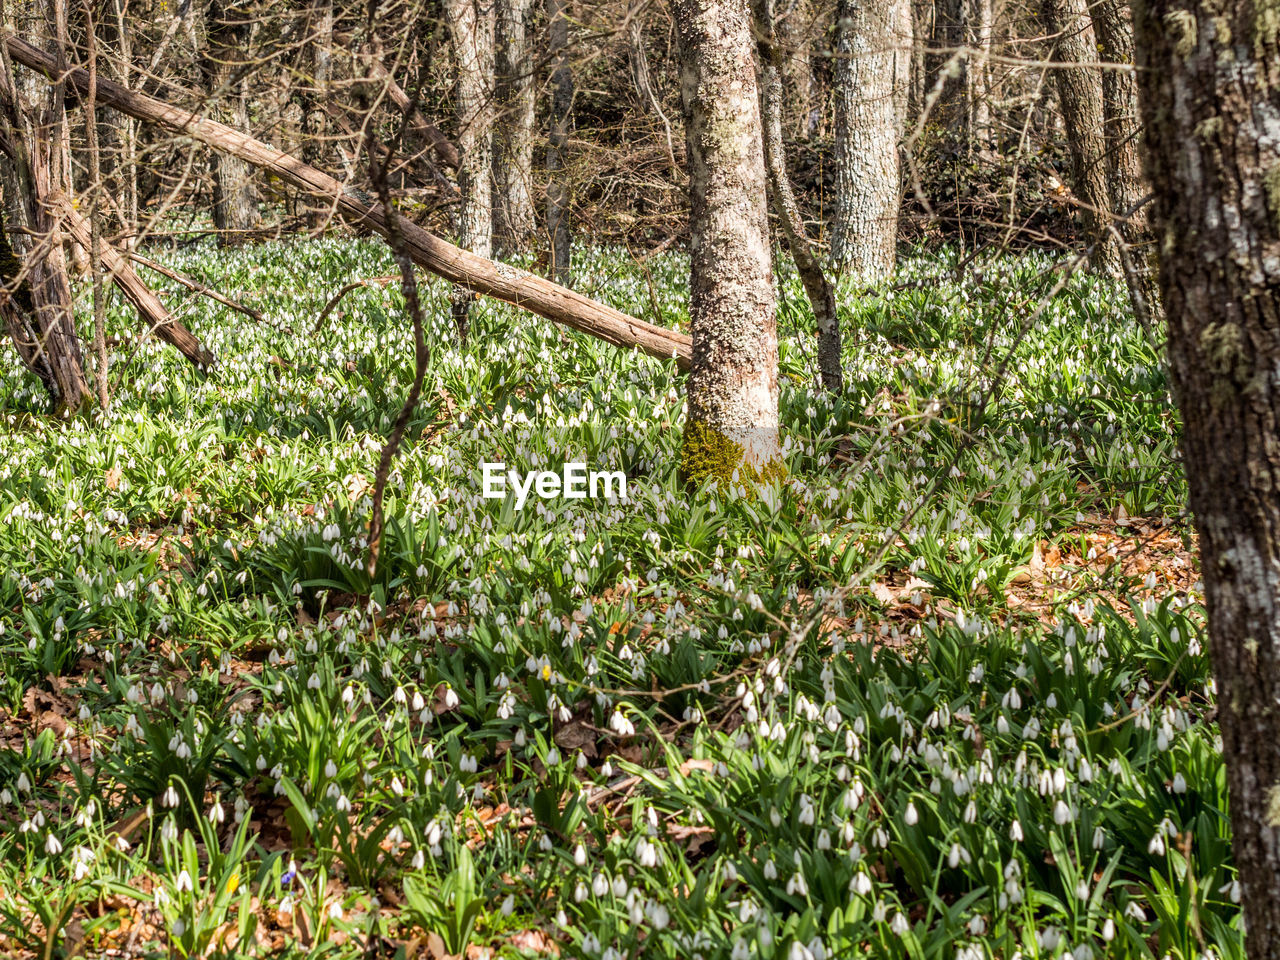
x=707, y=454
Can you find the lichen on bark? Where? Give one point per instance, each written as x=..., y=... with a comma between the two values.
x=707, y=454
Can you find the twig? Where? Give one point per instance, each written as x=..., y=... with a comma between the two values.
x=197, y=287
x=354, y=285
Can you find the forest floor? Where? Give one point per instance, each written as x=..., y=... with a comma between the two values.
x=942, y=694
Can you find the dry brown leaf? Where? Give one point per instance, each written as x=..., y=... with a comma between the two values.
x=534, y=941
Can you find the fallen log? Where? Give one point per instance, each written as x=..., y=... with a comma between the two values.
x=515, y=286
x=150, y=310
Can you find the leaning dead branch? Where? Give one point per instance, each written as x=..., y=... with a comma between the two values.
x=150, y=310
x=515, y=286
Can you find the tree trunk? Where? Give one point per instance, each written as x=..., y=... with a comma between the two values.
x=1209, y=75
x=514, y=220
x=822, y=295
x=979, y=94
x=126, y=164
x=1128, y=185
x=558, y=192
x=946, y=69
x=36, y=296
x=471, y=43
x=235, y=201
x=921, y=14
x=793, y=21
x=865, y=232
x=732, y=425
x=316, y=118
x=1079, y=87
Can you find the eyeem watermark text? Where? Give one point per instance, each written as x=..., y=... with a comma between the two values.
x=573, y=482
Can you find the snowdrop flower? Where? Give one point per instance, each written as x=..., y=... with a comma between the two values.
x=899, y=924
x=1156, y=846
x=861, y=883
x=797, y=885
x=600, y=885
x=621, y=725
x=170, y=797
x=52, y=845
x=659, y=916
x=183, y=883
x=911, y=817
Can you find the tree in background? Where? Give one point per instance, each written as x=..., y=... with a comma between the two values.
x=514, y=220
x=732, y=425
x=1210, y=88
x=817, y=286
x=868, y=96
x=558, y=191
x=35, y=294
x=471, y=27
x=1127, y=184
x=235, y=201
x=1079, y=87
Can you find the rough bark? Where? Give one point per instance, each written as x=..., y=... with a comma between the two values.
x=865, y=231
x=921, y=14
x=316, y=118
x=235, y=200
x=151, y=311
x=1209, y=77
x=505, y=282
x=558, y=193
x=1127, y=183
x=514, y=221
x=35, y=295
x=1079, y=89
x=732, y=424
x=821, y=293
x=471, y=44
x=904, y=52
x=979, y=95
